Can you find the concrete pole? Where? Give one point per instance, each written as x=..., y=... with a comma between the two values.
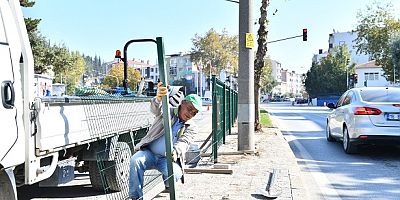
x=246, y=79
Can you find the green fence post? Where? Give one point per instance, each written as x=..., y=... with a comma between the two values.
x=229, y=110
x=233, y=107
x=166, y=118
x=223, y=112
x=214, y=119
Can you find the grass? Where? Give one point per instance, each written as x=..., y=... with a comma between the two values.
x=264, y=118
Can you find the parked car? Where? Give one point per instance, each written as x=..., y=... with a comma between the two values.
x=206, y=101
x=369, y=115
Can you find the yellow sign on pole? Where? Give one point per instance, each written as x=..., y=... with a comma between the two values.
x=249, y=40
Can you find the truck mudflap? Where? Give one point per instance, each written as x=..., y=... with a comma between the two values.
x=66, y=121
x=38, y=173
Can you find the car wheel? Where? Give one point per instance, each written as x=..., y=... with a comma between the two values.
x=328, y=133
x=348, y=147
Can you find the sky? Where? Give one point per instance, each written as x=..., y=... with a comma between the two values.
x=99, y=27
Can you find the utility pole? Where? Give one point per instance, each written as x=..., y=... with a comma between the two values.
x=246, y=106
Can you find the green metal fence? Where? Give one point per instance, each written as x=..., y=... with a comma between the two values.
x=224, y=113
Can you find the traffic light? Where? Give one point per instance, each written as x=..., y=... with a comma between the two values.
x=118, y=54
x=355, y=77
x=304, y=34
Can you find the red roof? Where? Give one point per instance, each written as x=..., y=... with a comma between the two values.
x=370, y=64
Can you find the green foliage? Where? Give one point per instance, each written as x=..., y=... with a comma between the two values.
x=94, y=66
x=329, y=76
x=31, y=24
x=26, y=3
x=115, y=77
x=56, y=60
x=377, y=28
x=395, y=53
x=219, y=50
x=267, y=81
x=40, y=49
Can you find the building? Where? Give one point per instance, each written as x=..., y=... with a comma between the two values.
x=317, y=57
x=292, y=83
x=369, y=74
x=343, y=38
x=148, y=71
x=180, y=67
x=347, y=38
x=276, y=73
x=288, y=82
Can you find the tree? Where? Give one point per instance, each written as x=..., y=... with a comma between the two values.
x=40, y=50
x=217, y=50
x=329, y=76
x=260, y=60
x=115, y=77
x=74, y=72
x=395, y=54
x=267, y=81
x=377, y=28
x=31, y=24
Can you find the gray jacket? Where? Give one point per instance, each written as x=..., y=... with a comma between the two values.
x=185, y=134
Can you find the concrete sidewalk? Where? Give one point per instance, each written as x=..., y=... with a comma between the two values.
x=250, y=171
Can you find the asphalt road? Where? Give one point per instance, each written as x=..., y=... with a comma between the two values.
x=329, y=172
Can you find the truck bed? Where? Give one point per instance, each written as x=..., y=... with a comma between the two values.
x=70, y=121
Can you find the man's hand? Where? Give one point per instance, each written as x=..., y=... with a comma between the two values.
x=174, y=155
x=161, y=91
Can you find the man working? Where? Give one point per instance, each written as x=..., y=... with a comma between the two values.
x=151, y=151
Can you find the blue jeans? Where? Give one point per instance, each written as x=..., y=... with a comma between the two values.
x=140, y=162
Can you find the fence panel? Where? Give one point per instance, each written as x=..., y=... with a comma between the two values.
x=224, y=104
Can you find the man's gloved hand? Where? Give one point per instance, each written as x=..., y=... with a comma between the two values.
x=161, y=91
x=174, y=155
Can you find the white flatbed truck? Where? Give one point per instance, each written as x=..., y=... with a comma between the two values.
x=44, y=139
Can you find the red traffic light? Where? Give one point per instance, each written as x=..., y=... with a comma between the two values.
x=304, y=34
x=117, y=54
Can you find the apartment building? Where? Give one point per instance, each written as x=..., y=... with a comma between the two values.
x=180, y=66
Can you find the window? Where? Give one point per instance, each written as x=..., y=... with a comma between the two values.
x=381, y=95
x=348, y=98
x=172, y=71
x=371, y=76
x=340, y=101
x=152, y=70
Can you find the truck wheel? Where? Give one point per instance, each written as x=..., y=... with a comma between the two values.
x=7, y=189
x=112, y=175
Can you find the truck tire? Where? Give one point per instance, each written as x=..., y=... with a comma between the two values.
x=7, y=189
x=112, y=175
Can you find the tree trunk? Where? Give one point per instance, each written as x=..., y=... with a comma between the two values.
x=259, y=62
x=257, y=125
